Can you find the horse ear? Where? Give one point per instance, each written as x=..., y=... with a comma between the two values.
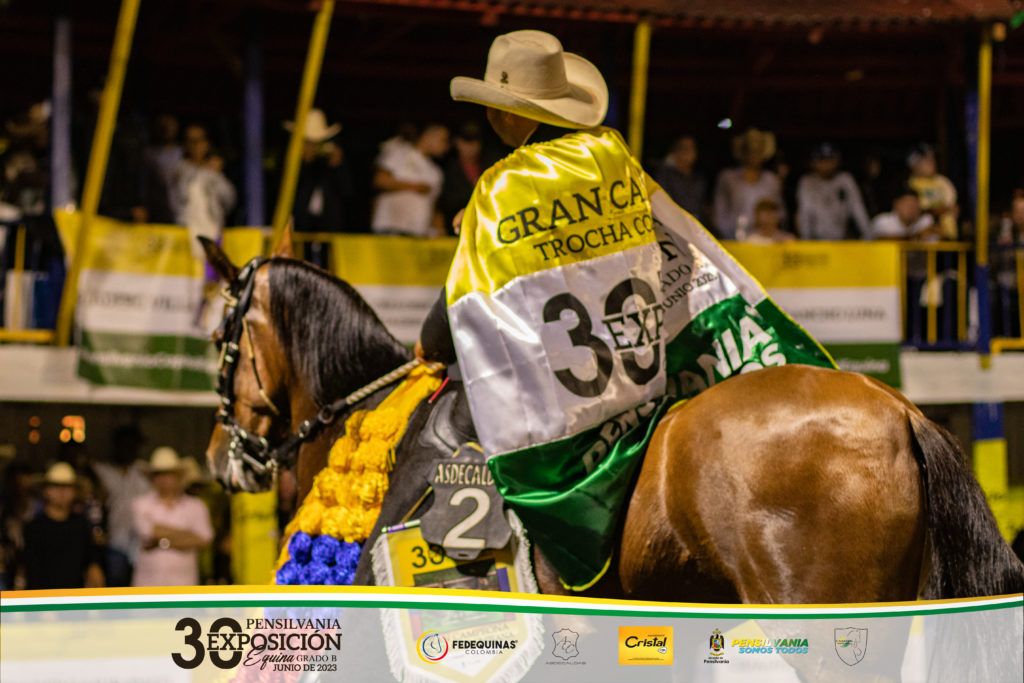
x=227, y=270
x=283, y=247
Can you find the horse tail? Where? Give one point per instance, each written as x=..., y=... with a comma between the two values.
x=967, y=555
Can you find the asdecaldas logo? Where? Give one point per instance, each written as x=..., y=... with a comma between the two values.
x=432, y=646
x=645, y=645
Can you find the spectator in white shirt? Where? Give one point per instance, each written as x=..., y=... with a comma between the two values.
x=827, y=199
x=768, y=224
x=906, y=221
x=409, y=182
x=201, y=195
x=172, y=526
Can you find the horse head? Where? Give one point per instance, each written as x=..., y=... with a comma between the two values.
x=293, y=340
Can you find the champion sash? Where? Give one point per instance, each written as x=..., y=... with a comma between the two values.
x=583, y=303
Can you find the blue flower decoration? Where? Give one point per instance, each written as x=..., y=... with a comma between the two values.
x=299, y=546
x=315, y=574
x=290, y=574
x=325, y=549
x=348, y=555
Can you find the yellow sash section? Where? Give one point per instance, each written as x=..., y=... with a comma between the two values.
x=347, y=494
x=551, y=204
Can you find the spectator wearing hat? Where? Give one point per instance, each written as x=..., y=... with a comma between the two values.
x=768, y=224
x=827, y=199
x=679, y=178
x=324, y=191
x=936, y=191
x=172, y=526
x=60, y=551
x=409, y=181
x=739, y=189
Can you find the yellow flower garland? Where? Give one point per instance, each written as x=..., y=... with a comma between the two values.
x=346, y=496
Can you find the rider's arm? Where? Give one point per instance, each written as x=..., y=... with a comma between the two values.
x=436, y=335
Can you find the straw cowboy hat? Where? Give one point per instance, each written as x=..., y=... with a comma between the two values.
x=761, y=142
x=529, y=74
x=317, y=129
x=60, y=474
x=165, y=459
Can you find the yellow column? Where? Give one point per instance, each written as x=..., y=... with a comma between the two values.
x=97, y=169
x=638, y=91
x=307, y=91
x=984, y=143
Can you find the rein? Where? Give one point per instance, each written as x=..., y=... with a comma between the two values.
x=248, y=451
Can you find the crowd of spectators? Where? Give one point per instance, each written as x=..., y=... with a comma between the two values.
x=423, y=175
x=121, y=522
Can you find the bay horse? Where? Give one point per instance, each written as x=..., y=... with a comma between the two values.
x=770, y=487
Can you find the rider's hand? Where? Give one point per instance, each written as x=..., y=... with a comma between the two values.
x=457, y=221
x=418, y=351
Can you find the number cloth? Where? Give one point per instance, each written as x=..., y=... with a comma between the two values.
x=344, y=502
x=583, y=303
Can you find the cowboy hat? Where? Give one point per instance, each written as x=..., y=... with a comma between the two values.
x=754, y=139
x=529, y=74
x=316, y=129
x=164, y=459
x=60, y=474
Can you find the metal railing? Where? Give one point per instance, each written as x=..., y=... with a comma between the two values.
x=15, y=295
x=1009, y=285
x=927, y=271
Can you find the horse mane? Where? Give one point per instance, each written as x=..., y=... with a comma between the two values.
x=332, y=337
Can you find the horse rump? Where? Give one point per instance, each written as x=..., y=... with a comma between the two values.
x=967, y=555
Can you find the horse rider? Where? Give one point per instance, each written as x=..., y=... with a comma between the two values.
x=554, y=299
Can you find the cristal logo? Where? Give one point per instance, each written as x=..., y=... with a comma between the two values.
x=432, y=646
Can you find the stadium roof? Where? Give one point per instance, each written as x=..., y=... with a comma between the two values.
x=735, y=13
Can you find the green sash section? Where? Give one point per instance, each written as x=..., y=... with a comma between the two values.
x=574, y=514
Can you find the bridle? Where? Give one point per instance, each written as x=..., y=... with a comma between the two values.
x=246, y=450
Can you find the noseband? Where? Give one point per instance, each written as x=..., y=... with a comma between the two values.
x=248, y=451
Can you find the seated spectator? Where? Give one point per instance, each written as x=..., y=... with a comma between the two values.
x=410, y=182
x=739, y=189
x=172, y=527
x=827, y=199
x=679, y=178
x=162, y=161
x=202, y=194
x=906, y=221
x=768, y=224
x=936, y=192
x=324, y=189
x=60, y=551
x=461, y=171
x=24, y=164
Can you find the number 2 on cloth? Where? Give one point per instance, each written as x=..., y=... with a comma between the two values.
x=455, y=538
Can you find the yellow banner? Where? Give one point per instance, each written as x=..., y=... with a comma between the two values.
x=820, y=264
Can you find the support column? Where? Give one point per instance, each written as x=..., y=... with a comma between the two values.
x=981, y=189
x=638, y=86
x=310, y=76
x=252, y=116
x=60, y=118
x=94, y=175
